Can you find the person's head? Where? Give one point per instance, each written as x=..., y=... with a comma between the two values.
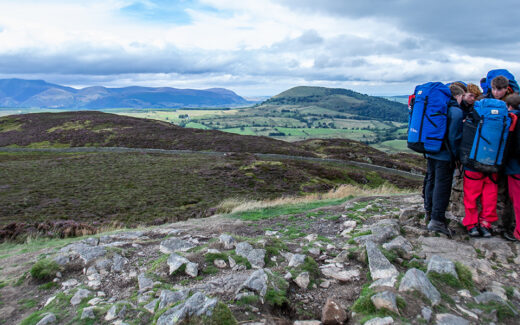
x=457, y=93
x=460, y=84
x=513, y=102
x=473, y=93
x=499, y=87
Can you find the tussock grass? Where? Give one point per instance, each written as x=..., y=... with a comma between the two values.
x=234, y=205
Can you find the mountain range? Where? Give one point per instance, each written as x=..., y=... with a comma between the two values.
x=39, y=93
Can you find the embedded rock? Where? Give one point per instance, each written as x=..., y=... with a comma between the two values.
x=333, y=313
x=78, y=296
x=303, y=280
x=380, y=267
x=449, y=319
x=297, y=260
x=415, y=279
x=256, y=282
x=340, y=274
x=385, y=300
x=176, y=261
x=172, y=245
x=144, y=282
x=441, y=265
x=168, y=297
x=400, y=245
x=227, y=241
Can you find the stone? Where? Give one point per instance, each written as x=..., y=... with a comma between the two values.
x=297, y=260
x=498, y=289
x=487, y=297
x=176, y=261
x=348, y=227
x=256, y=282
x=79, y=296
x=384, y=283
x=408, y=213
x=385, y=230
x=315, y=251
x=243, y=249
x=111, y=313
x=342, y=257
x=325, y=284
x=51, y=299
x=69, y=284
x=378, y=264
x=271, y=232
x=467, y=312
x=400, y=245
x=307, y=322
x=88, y=312
x=196, y=305
x=464, y=293
x=150, y=307
x=441, y=265
x=303, y=280
x=95, y=301
x=426, y=313
x=172, y=245
x=227, y=241
x=415, y=279
x=385, y=300
x=332, y=313
x=118, y=263
x=50, y=318
x=192, y=269
x=449, y=319
x=221, y=264
x=494, y=248
x=231, y=262
x=61, y=259
x=144, y=283
x=340, y=274
x=168, y=297
x=257, y=258
x=380, y=321
x=92, y=241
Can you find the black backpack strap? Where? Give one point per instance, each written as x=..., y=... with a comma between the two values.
x=515, y=177
x=475, y=179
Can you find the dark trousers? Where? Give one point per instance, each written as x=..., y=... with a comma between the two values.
x=437, y=188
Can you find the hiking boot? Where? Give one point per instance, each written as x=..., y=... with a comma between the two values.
x=509, y=236
x=485, y=232
x=473, y=232
x=439, y=227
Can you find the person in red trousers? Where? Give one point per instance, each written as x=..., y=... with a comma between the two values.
x=513, y=173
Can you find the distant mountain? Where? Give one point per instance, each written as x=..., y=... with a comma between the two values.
x=341, y=101
x=38, y=93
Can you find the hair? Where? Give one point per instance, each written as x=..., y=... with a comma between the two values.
x=500, y=82
x=474, y=89
x=513, y=100
x=461, y=85
x=456, y=90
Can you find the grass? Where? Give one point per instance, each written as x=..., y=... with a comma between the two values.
x=44, y=269
x=503, y=310
x=465, y=276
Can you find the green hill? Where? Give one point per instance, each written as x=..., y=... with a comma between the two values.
x=343, y=101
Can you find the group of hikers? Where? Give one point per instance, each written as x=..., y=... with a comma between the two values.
x=470, y=131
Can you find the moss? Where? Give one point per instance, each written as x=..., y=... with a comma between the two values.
x=210, y=269
x=44, y=269
x=48, y=286
x=276, y=297
x=221, y=316
x=158, y=262
x=390, y=255
x=211, y=257
x=401, y=303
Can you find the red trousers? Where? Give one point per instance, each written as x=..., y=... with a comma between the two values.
x=513, y=182
x=477, y=185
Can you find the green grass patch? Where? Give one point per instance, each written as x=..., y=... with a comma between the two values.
x=268, y=213
x=363, y=304
x=503, y=310
x=210, y=269
x=44, y=269
x=158, y=262
x=48, y=286
x=248, y=300
x=444, y=279
x=465, y=277
x=27, y=303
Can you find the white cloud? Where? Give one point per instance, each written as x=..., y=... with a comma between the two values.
x=252, y=47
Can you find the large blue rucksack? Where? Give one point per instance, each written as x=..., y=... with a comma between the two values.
x=486, y=82
x=484, y=136
x=428, y=118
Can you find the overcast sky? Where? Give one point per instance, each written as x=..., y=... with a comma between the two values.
x=258, y=47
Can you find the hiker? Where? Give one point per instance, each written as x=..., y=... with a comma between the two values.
x=468, y=101
x=512, y=170
x=440, y=167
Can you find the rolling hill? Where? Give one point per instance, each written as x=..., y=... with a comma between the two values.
x=38, y=93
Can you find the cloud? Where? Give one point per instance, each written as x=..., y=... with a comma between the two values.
x=257, y=47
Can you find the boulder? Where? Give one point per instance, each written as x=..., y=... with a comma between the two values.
x=449, y=319
x=227, y=241
x=176, y=261
x=303, y=280
x=400, y=245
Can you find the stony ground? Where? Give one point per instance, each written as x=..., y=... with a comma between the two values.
x=367, y=261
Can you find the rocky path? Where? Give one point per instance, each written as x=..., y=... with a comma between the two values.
x=367, y=261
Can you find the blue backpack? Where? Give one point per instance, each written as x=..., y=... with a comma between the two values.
x=428, y=119
x=484, y=136
x=485, y=83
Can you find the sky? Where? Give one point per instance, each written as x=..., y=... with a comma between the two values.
x=258, y=47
